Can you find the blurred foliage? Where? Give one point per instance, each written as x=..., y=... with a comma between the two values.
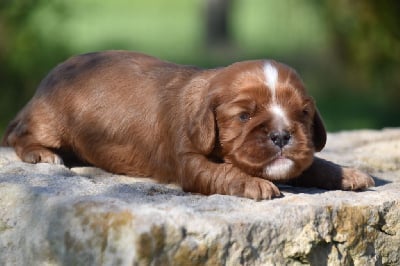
x=25, y=55
x=365, y=39
x=348, y=52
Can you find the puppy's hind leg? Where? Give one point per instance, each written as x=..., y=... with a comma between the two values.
x=31, y=143
x=328, y=175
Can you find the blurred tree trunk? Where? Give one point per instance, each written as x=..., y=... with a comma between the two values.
x=217, y=22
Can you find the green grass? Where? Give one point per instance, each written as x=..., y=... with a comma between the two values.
x=175, y=29
x=169, y=29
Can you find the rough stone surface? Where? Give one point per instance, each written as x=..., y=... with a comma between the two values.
x=52, y=215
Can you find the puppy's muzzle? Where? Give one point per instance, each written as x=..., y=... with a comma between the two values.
x=280, y=138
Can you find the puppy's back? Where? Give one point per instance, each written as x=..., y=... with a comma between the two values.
x=107, y=108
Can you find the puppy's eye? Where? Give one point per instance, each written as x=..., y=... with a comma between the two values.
x=244, y=117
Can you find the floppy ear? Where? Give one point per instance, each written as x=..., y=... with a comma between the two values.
x=319, y=132
x=202, y=127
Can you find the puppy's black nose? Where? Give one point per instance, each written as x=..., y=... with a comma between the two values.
x=280, y=138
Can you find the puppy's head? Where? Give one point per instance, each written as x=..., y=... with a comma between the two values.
x=260, y=118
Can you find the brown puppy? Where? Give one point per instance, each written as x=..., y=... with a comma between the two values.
x=232, y=130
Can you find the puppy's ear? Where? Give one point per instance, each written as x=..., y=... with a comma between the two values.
x=202, y=127
x=319, y=132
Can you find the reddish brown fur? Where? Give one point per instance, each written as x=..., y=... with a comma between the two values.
x=133, y=114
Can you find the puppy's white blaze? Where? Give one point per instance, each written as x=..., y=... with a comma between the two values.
x=271, y=77
x=279, y=169
x=280, y=114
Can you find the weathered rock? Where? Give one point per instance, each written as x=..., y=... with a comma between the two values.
x=52, y=215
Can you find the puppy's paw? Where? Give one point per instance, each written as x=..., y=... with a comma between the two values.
x=253, y=188
x=41, y=156
x=353, y=179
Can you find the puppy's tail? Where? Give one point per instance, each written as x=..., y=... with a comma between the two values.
x=9, y=130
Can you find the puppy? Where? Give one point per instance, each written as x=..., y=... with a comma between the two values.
x=233, y=130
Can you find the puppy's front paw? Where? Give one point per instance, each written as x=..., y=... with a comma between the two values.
x=354, y=179
x=253, y=188
x=41, y=156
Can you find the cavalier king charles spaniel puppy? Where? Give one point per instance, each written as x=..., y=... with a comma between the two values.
x=233, y=130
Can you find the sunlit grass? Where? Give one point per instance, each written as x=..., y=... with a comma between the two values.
x=175, y=29
x=170, y=29
x=278, y=27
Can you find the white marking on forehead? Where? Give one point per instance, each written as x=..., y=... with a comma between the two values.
x=280, y=113
x=271, y=77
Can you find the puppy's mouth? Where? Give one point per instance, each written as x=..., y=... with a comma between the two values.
x=279, y=168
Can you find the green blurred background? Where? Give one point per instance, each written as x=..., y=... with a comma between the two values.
x=348, y=52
